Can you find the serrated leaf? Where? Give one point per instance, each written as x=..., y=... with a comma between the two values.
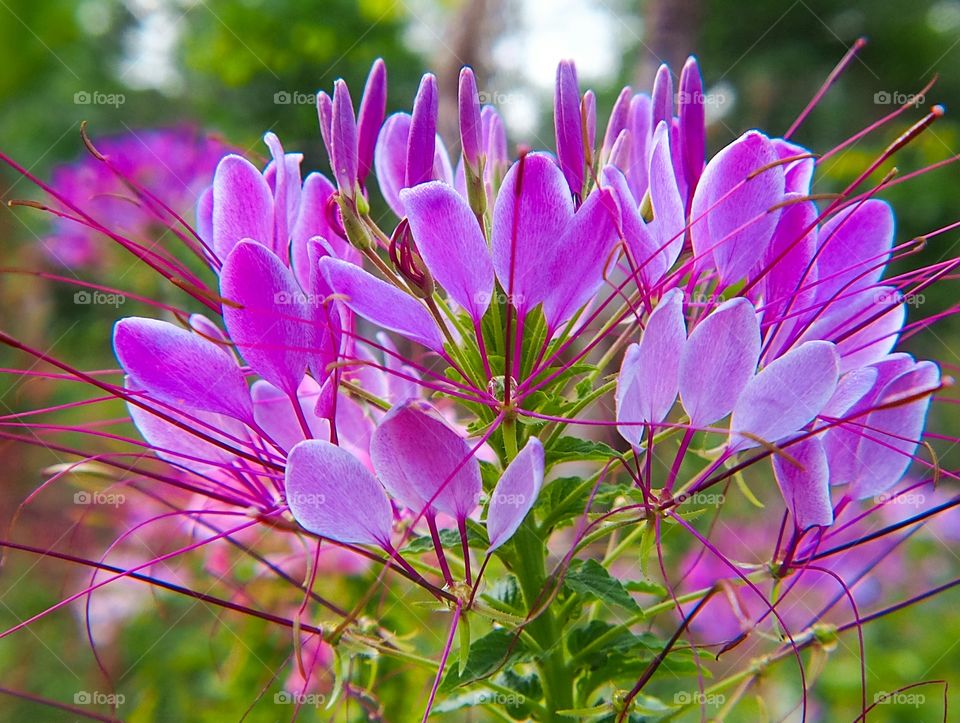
x=449, y=538
x=624, y=643
x=590, y=578
x=646, y=586
x=487, y=655
x=573, y=449
x=505, y=595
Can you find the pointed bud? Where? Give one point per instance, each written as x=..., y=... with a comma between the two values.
x=344, y=141
x=470, y=125
x=662, y=96
x=325, y=115
x=692, y=124
x=619, y=117
x=422, y=142
x=568, y=126
x=373, y=109
x=407, y=260
x=495, y=145
x=588, y=121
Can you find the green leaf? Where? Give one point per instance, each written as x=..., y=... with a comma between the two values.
x=590, y=578
x=464, y=633
x=487, y=655
x=573, y=449
x=505, y=595
x=646, y=586
x=624, y=643
x=449, y=538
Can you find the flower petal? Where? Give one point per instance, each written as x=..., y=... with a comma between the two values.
x=649, y=379
x=330, y=493
x=854, y=246
x=588, y=239
x=420, y=458
x=181, y=368
x=805, y=488
x=373, y=107
x=734, y=227
x=451, y=243
x=891, y=435
x=242, y=206
x=786, y=395
x=381, y=303
x=267, y=316
x=718, y=360
x=422, y=141
x=568, y=126
x=532, y=211
x=515, y=493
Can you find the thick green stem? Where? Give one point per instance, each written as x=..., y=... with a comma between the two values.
x=531, y=573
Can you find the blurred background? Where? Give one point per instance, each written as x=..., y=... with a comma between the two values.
x=233, y=70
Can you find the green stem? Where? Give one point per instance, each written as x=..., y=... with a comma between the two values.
x=531, y=573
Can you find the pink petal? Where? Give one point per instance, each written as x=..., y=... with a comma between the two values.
x=805, y=488
x=734, y=227
x=242, y=206
x=515, y=493
x=381, y=303
x=718, y=360
x=420, y=458
x=267, y=316
x=451, y=243
x=331, y=494
x=786, y=395
x=181, y=368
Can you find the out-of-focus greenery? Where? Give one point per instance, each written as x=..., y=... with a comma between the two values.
x=237, y=62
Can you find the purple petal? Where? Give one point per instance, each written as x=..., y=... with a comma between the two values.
x=645, y=255
x=470, y=125
x=274, y=412
x=588, y=113
x=619, y=119
x=854, y=246
x=805, y=488
x=283, y=176
x=515, y=494
x=877, y=314
x=891, y=435
x=330, y=493
x=381, y=303
x=669, y=217
x=641, y=133
x=567, y=123
x=734, y=227
x=662, y=96
x=314, y=221
x=588, y=239
x=693, y=135
x=798, y=173
x=421, y=145
x=443, y=471
x=788, y=284
x=390, y=159
x=451, y=243
x=373, y=108
x=325, y=116
x=786, y=395
x=178, y=445
x=649, y=378
x=495, y=143
x=535, y=195
x=267, y=316
x=718, y=360
x=181, y=368
x=242, y=206
x=344, y=137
